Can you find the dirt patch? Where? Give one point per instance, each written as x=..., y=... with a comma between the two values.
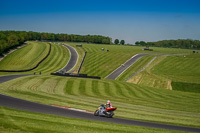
x=135, y=79
x=169, y=86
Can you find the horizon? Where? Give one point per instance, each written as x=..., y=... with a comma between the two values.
x=129, y=20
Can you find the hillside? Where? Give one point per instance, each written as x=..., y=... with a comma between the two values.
x=145, y=98
x=28, y=56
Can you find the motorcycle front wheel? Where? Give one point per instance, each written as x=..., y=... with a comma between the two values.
x=96, y=113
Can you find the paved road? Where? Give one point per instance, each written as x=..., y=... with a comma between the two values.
x=72, y=61
x=21, y=104
x=10, y=77
x=125, y=66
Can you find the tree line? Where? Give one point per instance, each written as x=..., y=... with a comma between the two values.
x=11, y=39
x=180, y=43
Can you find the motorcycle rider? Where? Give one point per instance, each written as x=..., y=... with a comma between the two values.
x=108, y=104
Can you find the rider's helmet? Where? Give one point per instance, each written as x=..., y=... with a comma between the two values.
x=108, y=102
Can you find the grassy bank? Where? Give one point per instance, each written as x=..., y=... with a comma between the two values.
x=30, y=55
x=26, y=57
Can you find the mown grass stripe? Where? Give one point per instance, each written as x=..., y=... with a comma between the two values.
x=95, y=89
x=107, y=88
x=60, y=87
x=88, y=88
x=82, y=87
x=68, y=87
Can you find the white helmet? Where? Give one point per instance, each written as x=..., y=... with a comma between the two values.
x=108, y=102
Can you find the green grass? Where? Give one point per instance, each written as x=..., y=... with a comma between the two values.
x=186, y=87
x=26, y=57
x=16, y=121
x=57, y=59
x=179, y=68
x=132, y=101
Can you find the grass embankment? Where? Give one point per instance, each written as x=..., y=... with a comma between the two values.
x=57, y=59
x=147, y=78
x=180, y=73
x=179, y=68
x=133, y=101
x=17, y=121
x=26, y=57
x=166, y=71
x=29, y=56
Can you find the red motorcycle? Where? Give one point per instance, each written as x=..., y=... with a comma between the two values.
x=105, y=111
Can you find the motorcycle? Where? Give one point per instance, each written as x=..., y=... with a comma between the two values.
x=105, y=111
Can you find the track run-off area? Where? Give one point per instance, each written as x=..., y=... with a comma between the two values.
x=11, y=102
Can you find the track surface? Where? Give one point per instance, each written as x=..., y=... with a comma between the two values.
x=10, y=77
x=72, y=61
x=125, y=66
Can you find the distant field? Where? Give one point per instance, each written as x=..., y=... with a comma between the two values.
x=133, y=101
x=101, y=63
x=17, y=121
x=30, y=55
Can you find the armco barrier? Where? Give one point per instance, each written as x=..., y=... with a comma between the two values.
x=30, y=68
x=76, y=75
x=82, y=62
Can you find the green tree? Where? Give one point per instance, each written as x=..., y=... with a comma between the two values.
x=116, y=41
x=122, y=42
x=137, y=43
x=143, y=43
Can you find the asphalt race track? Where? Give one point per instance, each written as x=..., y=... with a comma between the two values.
x=20, y=104
x=72, y=61
x=10, y=77
x=124, y=66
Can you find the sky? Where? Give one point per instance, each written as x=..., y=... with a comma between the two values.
x=129, y=20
